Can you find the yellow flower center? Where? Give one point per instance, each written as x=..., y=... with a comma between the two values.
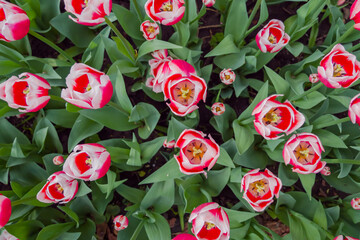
x=209, y=225
x=195, y=151
x=259, y=188
x=272, y=117
x=217, y=109
x=88, y=88
x=150, y=29
x=227, y=76
x=304, y=153
x=272, y=39
x=338, y=70
x=184, y=93
x=88, y=162
x=59, y=188
x=167, y=6
x=26, y=90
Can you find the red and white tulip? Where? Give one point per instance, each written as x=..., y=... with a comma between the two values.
x=14, y=23
x=167, y=12
x=355, y=203
x=355, y=13
x=27, y=93
x=120, y=222
x=88, y=162
x=88, y=12
x=184, y=93
x=210, y=222
x=313, y=78
x=5, y=235
x=227, y=76
x=184, y=236
x=196, y=152
x=87, y=87
x=218, y=108
x=340, y=237
x=272, y=38
x=170, y=144
x=354, y=109
x=260, y=188
x=150, y=30
x=209, y=3
x=60, y=188
x=326, y=171
x=303, y=152
x=272, y=118
x=5, y=210
x=339, y=68
x=58, y=160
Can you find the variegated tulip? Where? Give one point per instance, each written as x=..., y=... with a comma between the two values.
x=120, y=222
x=354, y=109
x=167, y=12
x=272, y=38
x=355, y=203
x=5, y=210
x=227, y=76
x=218, y=108
x=150, y=30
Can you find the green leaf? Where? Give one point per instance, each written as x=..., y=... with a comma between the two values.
x=175, y=129
x=25, y=230
x=236, y=21
x=70, y=213
x=133, y=195
x=153, y=45
x=320, y=216
x=134, y=155
x=128, y=21
x=159, y=230
x=53, y=231
x=169, y=170
x=149, y=149
x=237, y=217
x=307, y=180
x=226, y=46
x=148, y=114
x=160, y=197
x=61, y=117
x=94, y=53
x=329, y=139
x=121, y=93
x=52, y=139
x=224, y=159
x=280, y=84
x=243, y=137
x=83, y=128
x=233, y=60
x=83, y=189
x=111, y=184
x=40, y=137
x=310, y=101
x=11, y=133
x=194, y=196
x=216, y=181
x=106, y=116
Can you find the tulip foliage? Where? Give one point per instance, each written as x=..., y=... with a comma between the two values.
x=179, y=119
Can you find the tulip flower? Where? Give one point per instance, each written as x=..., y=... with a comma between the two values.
x=184, y=236
x=218, y=108
x=196, y=152
x=167, y=12
x=339, y=68
x=170, y=144
x=355, y=13
x=87, y=87
x=58, y=160
x=326, y=171
x=60, y=188
x=209, y=3
x=227, y=76
x=272, y=38
x=273, y=118
x=14, y=23
x=210, y=221
x=88, y=12
x=27, y=93
x=355, y=203
x=340, y=237
x=354, y=109
x=88, y=162
x=150, y=30
x=5, y=210
x=120, y=222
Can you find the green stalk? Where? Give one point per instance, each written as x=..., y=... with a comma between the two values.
x=343, y=37
x=177, y=28
x=218, y=96
x=137, y=9
x=313, y=89
x=53, y=45
x=331, y=123
x=137, y=231
x=252, y=15
x=21, y=201
x=346, y=161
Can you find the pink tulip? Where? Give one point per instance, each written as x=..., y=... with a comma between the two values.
x=5, y=235
x=218, y=108
x=58, y=160
x=340, y=237
x=273, y=118
x=303, y=152
x=210, y=222
x=87, y=87
x=355, y=14
x=355, y=203
x=14, y=23
x=196, y=152
x=184, y=93
x=27, y=93
x=167, y=12
x=150, y=30
x=227, y=76
x=88, y=162
x=60, y=188
x=354, y=109
x=5, y=210
x=120, y=222
x=339, y=68
x=170, y=144
x=156, y=65
x=260, y=188
x=326, y=171
x=314, y=78
x=88, y=12
x=184, y=236
x=272, y=38
x=209, y=3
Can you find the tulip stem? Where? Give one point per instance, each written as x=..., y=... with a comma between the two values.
x=218, y=96
x=54, y=46
x=346, y=161
x=342, y=38
x=313, y=89
x=137, y=231
x=248, y=23
x=331, y=123
x=21, y=201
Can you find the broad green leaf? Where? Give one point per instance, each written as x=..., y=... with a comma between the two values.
x=169, y=170
x=216, y=181
x=307, y=180
x=280, y=84
x=54, y=230
x=147, y=114
x=224, y=159
x=121, y=93
x=128, y=21
x=94, y=53
x=61, y=117
x=329, y=139
x=133, y=195
x=159, y=230
x=25, y=230
x=310, y=101
x=160, y=197
x=226, y=46
x=153, y=45
x=237, y=20
x=243, y=137
x=11, y=133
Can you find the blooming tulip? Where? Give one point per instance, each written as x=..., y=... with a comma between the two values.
x=355, y=203
x=196, y=152
x=273, y=118
x=218, y=108
x=149, y=29
x=354, y=109
x=27, y=93
x=339, y=68
x=170, y=144
x=14, y=23
x=159, y=58
x=88, y=162
x=355, y=13
x=87, y=87
x=88, y=12
x=272, y=38
x=210, y=221
x=303, y=152
x=260, y=188
x=120, y=222
x=314, y=77
x=167, y=12
x=60, y=188
x=5, y=210
x=209, y=3
x=227, y=76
